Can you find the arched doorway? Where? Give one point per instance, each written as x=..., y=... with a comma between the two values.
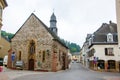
x=111, y=64
x=31, y=64
x=31, y=56
x=101, y=64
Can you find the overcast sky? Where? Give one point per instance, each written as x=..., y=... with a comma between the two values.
x=75, y=18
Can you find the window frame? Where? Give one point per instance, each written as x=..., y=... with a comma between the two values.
x=109, y=37
x=109, y=51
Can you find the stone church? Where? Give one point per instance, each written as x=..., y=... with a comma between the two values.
x=39, y=46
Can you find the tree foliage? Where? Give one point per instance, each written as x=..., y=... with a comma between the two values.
x=7, y=35
x=72, y=46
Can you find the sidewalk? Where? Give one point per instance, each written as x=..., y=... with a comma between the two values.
x=112, y=78
x=8, y=74
x=3, y=76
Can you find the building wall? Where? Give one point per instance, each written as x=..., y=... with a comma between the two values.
x=4, y=47
x=118, y=19
x=100, y=53
x=1, y=9
x=34, y=30
x=3, y=4
x=59, y=57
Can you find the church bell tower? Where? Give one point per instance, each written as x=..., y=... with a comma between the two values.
x=53, y=22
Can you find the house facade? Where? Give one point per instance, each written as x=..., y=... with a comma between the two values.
x=118, y=19
x=3, y=4
x=84, y=59
x=39, y=47
x=4, y=47
x=76, y=56
x=103, y=52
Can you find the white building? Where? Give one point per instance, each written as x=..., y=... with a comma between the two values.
x=103, y=51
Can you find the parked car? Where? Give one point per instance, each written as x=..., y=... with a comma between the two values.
x=19, y=65
x=1, y=61
x=5, y=60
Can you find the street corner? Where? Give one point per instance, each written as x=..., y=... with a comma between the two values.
x=3, y=76
x=111, y=78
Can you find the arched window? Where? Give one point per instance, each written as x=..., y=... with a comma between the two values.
x=32, y=47
x=19, y=55
x=43, y=56
x=109, y=37
x=101, y=64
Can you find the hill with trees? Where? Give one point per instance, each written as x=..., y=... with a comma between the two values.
x=6, y=35
x=72, y=46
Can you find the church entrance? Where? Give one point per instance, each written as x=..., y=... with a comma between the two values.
x=31, y=56
x=31, y=64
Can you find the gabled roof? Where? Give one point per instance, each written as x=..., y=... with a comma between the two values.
x=107, y=28
x=99, y=37
x=101, y=34
x=56, y=38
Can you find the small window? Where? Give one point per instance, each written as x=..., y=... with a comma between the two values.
x=43, y=56
x=109, y=52
x=109, y=37
x=32, y=47
x=19, y=55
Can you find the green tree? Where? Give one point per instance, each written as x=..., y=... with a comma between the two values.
x=7, y=35
x=72, y=46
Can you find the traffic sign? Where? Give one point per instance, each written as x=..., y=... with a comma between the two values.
x=13, y=56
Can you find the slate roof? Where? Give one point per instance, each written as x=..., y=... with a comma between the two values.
x=100, y=36
x=56, y=38
x=53, y=17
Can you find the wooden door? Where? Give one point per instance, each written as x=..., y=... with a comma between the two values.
x=31, y=64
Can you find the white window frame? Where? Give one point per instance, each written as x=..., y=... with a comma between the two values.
x=109, y=37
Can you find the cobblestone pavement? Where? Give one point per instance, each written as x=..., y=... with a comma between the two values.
x=8, y=74
x=111, y=78
x=3, y=76
x=76, y=72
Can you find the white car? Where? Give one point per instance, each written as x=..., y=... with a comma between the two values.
x=19, y=65
x=5, y=60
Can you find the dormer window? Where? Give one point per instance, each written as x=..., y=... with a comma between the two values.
x=90, y=41
x=109, y=37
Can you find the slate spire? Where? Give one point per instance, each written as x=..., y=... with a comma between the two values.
x=53, y=22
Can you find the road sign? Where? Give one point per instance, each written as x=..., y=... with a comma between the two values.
x=13, y=56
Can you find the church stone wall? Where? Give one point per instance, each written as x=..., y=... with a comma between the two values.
x=32, y=30
x=44, y=55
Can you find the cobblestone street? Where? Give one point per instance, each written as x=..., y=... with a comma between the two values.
x=76, y=72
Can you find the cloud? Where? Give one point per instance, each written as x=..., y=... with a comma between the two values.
x=75, y=18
